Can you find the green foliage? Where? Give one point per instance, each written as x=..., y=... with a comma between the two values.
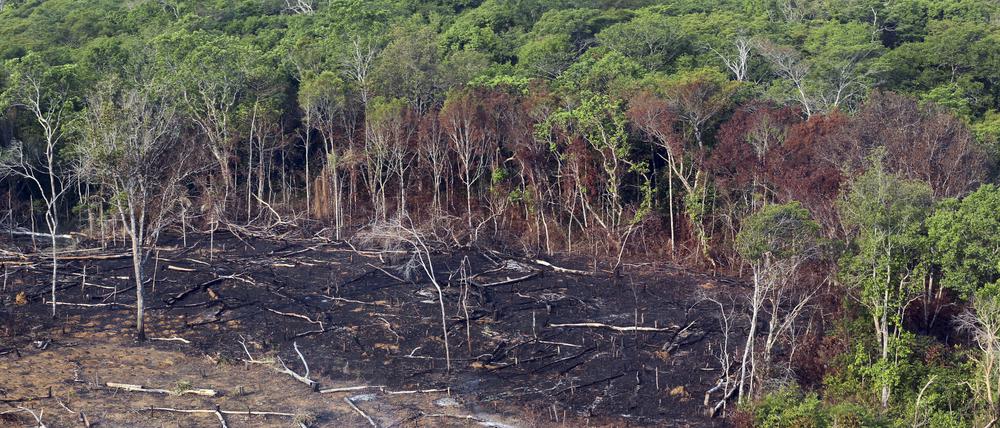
x=778, y=231
x=966, y=239
x=885, y=261
x=789, y=407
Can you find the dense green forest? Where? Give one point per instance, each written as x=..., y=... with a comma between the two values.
x=839, y=155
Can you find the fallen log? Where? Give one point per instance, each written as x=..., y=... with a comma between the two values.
x=139, y=388
x=611, y=327
x=224, y=412
x=38, y=234
x=171, y=339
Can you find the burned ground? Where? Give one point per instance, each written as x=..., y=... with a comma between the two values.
x=521, y=353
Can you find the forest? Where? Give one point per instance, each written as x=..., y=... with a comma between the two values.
x=773, y=213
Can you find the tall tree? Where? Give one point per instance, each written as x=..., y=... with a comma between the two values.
x=213, y=74
x=776, y=241
x=886, y=260
x=465, y=122
x=132, y=148
x=47, y=92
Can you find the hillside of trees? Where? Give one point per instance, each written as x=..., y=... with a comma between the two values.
x=838, y=157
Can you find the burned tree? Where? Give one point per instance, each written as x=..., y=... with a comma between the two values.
x=465, y=123
x=776, y=241
x=132, y=148
x=44, y=91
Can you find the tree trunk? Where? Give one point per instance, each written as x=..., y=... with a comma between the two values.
x=140, y=326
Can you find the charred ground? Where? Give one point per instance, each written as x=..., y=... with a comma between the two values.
x=358, y=321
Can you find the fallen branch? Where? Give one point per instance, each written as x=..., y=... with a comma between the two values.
x=224, y=412
x=481, y=421
x=508, y=280
x=88, y=305
x=341, y=299
x=612, y=327
x=419, y=391
x=388, y=274
x=171, y=339
x=96, y=257
x=360, y=412
x=138, y=388
x=37, y=416
x=222, y=420
x=304, y=378
x=350, y=388
x=37, y=234
x=561, y=269
x=185, y=293
x=322, y=329
x=382, y=389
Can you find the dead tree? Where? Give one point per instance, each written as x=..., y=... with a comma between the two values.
x=776, y=241
x=44, y=91
x=299, y=6
x=134, y=151
x=738, y=61
x=401, y=235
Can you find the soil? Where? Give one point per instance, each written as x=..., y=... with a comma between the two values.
x=358, y=321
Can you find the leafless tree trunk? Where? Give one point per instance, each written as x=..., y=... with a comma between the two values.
x=299, y=6
x=46, y=102
x=738, y=62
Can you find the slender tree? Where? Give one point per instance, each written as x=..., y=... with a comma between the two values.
x=46, y=92
x=132, y=147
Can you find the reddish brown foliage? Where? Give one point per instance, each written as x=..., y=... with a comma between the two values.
x=922, y=142
x=805, y=171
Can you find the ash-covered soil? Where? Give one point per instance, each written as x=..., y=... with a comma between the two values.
x=530, y=346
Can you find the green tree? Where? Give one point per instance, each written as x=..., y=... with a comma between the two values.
x=212, y=76
x=409, y=68
x=965, y=235
x=651, y=39
x=886, y=260
x=834, y=68
x=776, y=242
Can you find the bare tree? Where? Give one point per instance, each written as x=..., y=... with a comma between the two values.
x=788, y=63
x=983, y=324
x=433, y=149
x=776, y=242
x=400, y=234
x=738, y=61
x=132, y=148
x=299, y=6
x=463, y=120
x=387, y=151
x=44, y=91
x=822, y=86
